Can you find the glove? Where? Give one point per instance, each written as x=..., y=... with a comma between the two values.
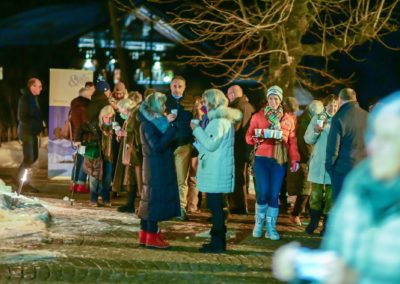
x=295, y=166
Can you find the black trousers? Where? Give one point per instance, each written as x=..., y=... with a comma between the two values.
x=30, y=150
x=337, y=184
x=215, y=204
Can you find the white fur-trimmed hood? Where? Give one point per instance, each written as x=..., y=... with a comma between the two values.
x=231, y=114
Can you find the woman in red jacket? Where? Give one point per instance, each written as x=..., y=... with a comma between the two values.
x=272, y=132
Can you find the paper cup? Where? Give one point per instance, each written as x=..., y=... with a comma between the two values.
x=278, y=134
x=268, y=133
x=174, y=111
x=320, y=123
x=195, y=121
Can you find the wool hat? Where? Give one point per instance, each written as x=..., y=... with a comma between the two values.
x=276, y=91
x=102, y=86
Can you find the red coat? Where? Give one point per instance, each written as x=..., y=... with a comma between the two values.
x=266, y=148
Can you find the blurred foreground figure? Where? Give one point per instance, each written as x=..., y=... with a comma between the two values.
x=362, y=243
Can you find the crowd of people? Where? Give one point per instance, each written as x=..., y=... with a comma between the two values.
x=166, y=148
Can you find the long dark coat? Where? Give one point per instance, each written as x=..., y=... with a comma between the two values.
x=160, y=197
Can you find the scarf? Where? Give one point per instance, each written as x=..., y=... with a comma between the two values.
x=274, y=116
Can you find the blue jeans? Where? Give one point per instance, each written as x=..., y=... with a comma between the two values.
x=269, y=178
x=101, y=187
x=107, y=174
x=78, y=174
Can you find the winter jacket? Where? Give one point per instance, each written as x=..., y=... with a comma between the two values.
x=215, y=171
x=184, y=105
x=364, y=226
x=79, y=115
x=266, y=147
x=345, y=146
x=160, y=196
x=30, y=122
x=97, y=102
x=242, y=150
x=316, y=170
x=305, y=149
x=124, y=174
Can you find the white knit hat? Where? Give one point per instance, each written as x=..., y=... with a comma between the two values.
x=275, y=91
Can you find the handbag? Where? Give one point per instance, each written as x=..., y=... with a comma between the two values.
x=93, y=167
x=126, y=153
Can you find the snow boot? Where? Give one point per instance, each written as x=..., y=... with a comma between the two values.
x=272, y=217
x=217, y=244
x=259, y=217
x=214, y=232
x=156, y=240
x=142, y=238
x=314, y=221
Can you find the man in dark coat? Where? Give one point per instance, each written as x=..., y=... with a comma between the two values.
x=30, y=124
x=345, y=147
x=183, y=105
x=238, y=199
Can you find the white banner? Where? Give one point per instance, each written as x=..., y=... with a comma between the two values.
x=64, y=87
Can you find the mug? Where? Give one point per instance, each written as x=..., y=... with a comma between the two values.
x=195, y=121
x=278, y=134
x=257, y=132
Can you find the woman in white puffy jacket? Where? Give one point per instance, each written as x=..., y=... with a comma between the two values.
x=215, y=172
x=321, y=190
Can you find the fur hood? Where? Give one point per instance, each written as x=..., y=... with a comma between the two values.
x=231, y=114
x=158, y=120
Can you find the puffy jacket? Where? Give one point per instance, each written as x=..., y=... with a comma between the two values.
x=316, y=170
x=266, y=148
x=216, y=169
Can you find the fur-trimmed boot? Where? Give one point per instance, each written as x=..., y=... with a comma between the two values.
x=259, y=217
x=272, y=217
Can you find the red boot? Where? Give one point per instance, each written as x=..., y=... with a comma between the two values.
x=81, y=188
x=73, y=187
x=142, y=238
x=156, y=241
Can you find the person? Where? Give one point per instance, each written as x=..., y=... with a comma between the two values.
x=345, y=145
x=321, y=189
x=238, y=199
x=183, y=105
x=78, y=113
x=298, y=181
x=361, y=244
x=160, y=196
x=128, y=170
x=100, y=99
x=271, y=157
x=215, y=173
x=30, y=124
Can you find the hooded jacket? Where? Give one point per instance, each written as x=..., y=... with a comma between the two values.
x=160, y=197
x=215, y=172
